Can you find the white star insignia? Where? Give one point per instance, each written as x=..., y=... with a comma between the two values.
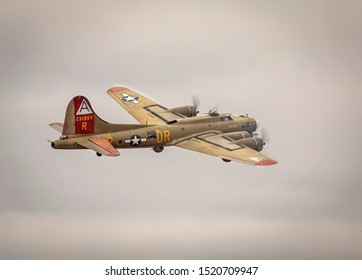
x=129, y=98
x=135, y=140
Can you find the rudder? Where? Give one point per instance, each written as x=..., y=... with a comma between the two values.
x=79, y=117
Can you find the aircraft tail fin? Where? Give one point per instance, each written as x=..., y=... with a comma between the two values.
x=80, y=119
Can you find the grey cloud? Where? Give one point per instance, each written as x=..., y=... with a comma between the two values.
x=122, y=238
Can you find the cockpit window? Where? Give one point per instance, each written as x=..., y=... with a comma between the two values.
x=226, y=118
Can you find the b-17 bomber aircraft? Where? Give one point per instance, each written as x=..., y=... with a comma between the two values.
x=231, y=138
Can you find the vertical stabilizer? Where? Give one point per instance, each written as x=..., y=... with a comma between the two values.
x=79, y=117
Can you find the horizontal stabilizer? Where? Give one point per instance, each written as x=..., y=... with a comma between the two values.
x=57, y=126
x=101, y=146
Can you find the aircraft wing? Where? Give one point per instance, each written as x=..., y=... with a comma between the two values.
x=143, y=109
x=100, y=145
x=213, y=143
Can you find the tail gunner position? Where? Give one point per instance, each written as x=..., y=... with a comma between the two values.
x=231, y=138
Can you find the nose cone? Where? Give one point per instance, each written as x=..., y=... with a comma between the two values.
x=254, y=124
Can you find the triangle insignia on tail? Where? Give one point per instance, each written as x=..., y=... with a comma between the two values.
x=84, y=116
x=84, y=109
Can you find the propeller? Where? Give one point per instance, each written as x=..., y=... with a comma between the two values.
x=196, y=101
x=262, y=133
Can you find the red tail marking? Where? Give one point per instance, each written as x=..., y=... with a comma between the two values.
x=84, y=116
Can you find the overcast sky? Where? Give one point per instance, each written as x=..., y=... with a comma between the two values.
x=294, y=65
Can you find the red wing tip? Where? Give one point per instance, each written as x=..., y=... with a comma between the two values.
x=113, y=155
x=116, y=89
x=267, y=162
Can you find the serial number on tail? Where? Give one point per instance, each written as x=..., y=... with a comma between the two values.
x=84, y=118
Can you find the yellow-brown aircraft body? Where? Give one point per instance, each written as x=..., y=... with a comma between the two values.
x=222, y=135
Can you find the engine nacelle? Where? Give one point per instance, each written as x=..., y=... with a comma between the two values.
x=187, y=111
x=237, y=135
x=256, y=144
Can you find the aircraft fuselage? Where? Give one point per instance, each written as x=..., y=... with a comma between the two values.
x=165, y=134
